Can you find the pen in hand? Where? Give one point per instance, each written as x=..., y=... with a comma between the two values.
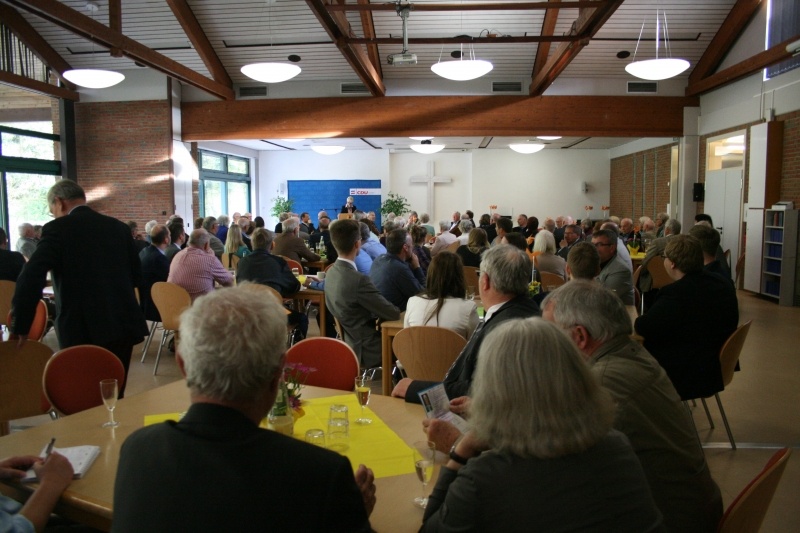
x=49, y=449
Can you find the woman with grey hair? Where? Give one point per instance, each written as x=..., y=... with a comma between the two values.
x=550, y=460
x=544, y=255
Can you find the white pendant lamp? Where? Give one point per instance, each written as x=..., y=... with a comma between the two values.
x=548, y=137
x=271, y=72
x=426, y=147
x=660, y=68
x=526, y=148
x=92, y=78
x=462, y=69
x=328, y=149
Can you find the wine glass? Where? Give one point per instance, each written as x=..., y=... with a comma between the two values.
x=109, y=390
x=424, y=458
x=362, y=393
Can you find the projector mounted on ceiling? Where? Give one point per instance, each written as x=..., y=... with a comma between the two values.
x=405, y=57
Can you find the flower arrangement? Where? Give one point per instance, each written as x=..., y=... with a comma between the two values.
x=533, y=288
x=605, y=209
x=295, y=376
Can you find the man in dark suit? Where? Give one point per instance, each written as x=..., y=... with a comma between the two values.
x=94, y=285
x=155, y=268
x=614, y=274
x=233, y=369
x=353, y=299
x=11, y=263
x=177, y=237
x=397, y=273
x=572, y=234
x=323, y=235
x=503, y=286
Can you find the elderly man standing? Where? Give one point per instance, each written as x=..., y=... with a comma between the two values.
x=26, y=244
x=649, y=410
x=195, y=268
x=397, y=273
x=353, y=299
x=503, y=286
x=95, y=299
x=614, y=273
x=289, y=244
x=233, y=356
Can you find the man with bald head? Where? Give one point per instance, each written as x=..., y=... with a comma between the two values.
x=196, y=268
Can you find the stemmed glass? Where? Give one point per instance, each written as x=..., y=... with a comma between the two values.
x=424, y=458
x=362, y=393
x=109, y=390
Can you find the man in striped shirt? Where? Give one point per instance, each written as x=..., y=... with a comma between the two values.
x=196, y=268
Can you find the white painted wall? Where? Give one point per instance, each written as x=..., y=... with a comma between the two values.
x=139, y=84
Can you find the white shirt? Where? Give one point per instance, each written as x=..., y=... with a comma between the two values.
x=443, y=240
x=457, y=314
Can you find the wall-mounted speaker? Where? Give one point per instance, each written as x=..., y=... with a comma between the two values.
x=699, y=192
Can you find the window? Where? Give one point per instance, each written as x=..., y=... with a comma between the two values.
x=224, y=184
x=783, y=23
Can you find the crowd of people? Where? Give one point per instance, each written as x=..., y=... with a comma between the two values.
x=562, y=404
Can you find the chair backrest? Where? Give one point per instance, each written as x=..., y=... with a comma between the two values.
x=21, y=371
x=72, y=377
x=746, y=513
x=471, y=279
x=266, y=289
x=551, y=281
x=658, y=273
x=739, y=269
x=453, y=247
x=328, y=267
x=335, y=362
x=6, y=295
x=729, y=354
x=293, y=264
x=170, y=300
x=39, y=324
x=427, y=352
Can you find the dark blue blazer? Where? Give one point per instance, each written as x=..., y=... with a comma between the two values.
x=155, y=267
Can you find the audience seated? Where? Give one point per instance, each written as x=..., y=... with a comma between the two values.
x=155, y=268
x=216, y=245
x=397, y=273
x=544, y=255
x=424, y=220
x=222, y=230
x=502, y=226
x=232, y=354
x=690, y=320
x=477, y=244
x=195, y=268
x=26, y=244
x=548, y=426
x=54, y=474
x=289, y=244
x=234, y=244
x=614, y=274
x=622, y=248
x=465, y=226
x=583, y=262
x=444, y=239
x=323, y=235
x=654, y=253
x=177, y=237
x=442, y=303
x=709, y=242
x=517, y=240
x=419, y=235
x=11, y=263
x=572, y=235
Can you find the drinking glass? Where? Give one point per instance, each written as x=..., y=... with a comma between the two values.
x=296, y=272
x=363, y=389
x=338, y=428
x=109, y=390
x=316, y=436
x=424, y=459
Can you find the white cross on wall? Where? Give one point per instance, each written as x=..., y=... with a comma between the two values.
x=430, y=179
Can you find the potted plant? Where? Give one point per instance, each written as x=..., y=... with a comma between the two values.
x=281, y=205
x=395, y=204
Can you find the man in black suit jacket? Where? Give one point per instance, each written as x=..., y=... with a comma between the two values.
x=503, y=286
x=155, y=267
x=11, y=263
x=262, y=480
x=94, y=285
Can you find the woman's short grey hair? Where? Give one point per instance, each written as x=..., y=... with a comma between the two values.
x=534, y=395
x=291, y=224
x=66, y=190
x=587, y=303
x=508, y=268
x=364, y=231
x=232, y=341
x=223, y=220
x=465, y=225
x=424, y=218
x=544, y=242
x=149, y=226
x=444, y=225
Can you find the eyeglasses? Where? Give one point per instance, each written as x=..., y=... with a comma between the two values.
x=599, y=244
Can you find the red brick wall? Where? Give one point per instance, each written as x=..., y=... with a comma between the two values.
x=123, y=158
x=790, y=182
x=640, y=183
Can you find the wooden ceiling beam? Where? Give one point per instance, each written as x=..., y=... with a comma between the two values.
x=493, y=6
x=39, y=87
x=543, y=50
x=762, y=60
x=115, y=22
x=368, y=26
x=31, y=38
x=339, y=31
x=589, y=22
x=86, y=27
x=191, y=27
x=466, y=39
x=731, y=29
x=441, y=116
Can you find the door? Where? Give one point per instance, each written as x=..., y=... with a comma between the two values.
x=723, y=203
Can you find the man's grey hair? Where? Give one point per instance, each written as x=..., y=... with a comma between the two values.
x=208, y=223
x=388, y=226
x=589, y=304
x=465, y=226
x=24, y=228
x=534, y=375
x=424, y=218
x=283, y=216
x=365, y=231
x=65, y=190
x=199, y=238
x=291, y=224
x=549, y=224
x=359, y=215
x=508, y=268
x=673, y=225
x=223, y=220
x=663, y=217
x=148, y=228
x=262, y=239
x=232, y=341
x=322, y=214
x=444, y=225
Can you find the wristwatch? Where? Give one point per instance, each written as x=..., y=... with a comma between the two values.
x=454, y=456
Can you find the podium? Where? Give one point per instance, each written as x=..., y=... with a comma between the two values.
x=345, y=216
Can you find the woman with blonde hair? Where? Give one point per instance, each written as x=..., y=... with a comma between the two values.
x=234, y=244
x=477, y=243
x=540, y=454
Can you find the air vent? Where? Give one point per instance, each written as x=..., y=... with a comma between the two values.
x=642, y=87
x=253, y=91
x=354, y=88
x=506, y=87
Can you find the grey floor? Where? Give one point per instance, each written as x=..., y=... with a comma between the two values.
x=761, y=404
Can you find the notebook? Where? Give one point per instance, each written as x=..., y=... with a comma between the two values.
x=80, y=457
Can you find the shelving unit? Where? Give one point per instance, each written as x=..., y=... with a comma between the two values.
x=779, y=255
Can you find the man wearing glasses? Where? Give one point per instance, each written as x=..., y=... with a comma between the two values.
x=572, y=235
x=614, y=273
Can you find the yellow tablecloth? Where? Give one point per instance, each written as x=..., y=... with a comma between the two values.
x=374, y=445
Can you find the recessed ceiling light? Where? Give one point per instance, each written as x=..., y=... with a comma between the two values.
x=526, y=148
x=328, y=150
x=421, y=138
x=549, y=137
x=623, y=54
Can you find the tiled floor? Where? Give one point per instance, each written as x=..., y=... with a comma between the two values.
x=761, y=404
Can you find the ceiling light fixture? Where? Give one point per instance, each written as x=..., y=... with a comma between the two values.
x=420, y=138
x=549, y=137
x=328, y=150
x=272, y=72
x=91, y=78
x=462, y=69
x=526, y=148
x=660, y=68
x=425, y=147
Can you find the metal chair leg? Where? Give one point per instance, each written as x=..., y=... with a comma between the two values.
x=725, y=421
x=708, y=413
x=691, y=419
x=148, y=339
x=161, y=347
